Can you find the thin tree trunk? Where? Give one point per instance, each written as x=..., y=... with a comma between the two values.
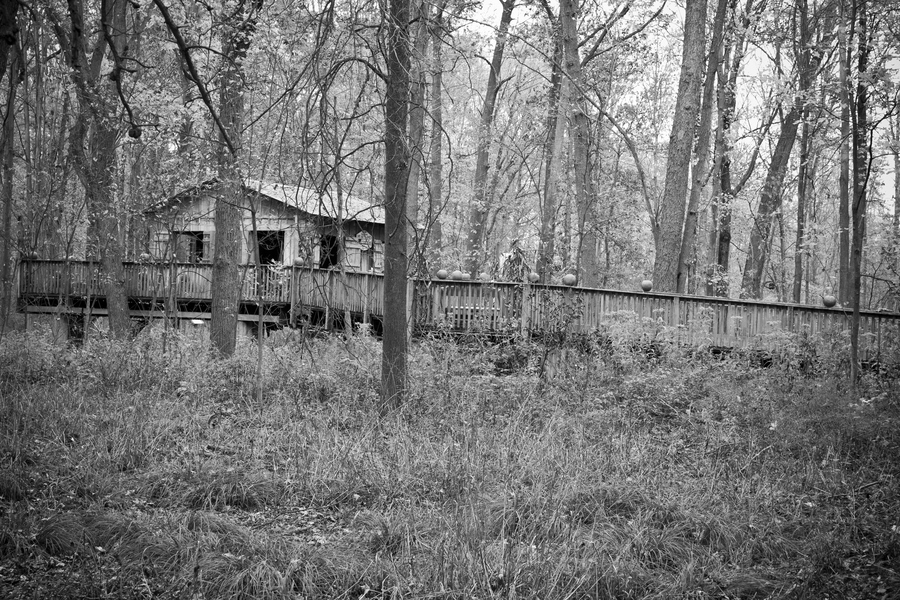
x=860, y=181
x=805, y=84
x=475, y=240
x=895, y=229
x=844, y=285
x=396, y=171
x=681, y=141
x=417, y=134
x=436, y=174
x=6, y=151
x=802, y=191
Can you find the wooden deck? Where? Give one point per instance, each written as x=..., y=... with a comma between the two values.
x=183, y=290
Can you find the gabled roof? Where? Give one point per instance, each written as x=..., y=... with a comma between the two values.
x=324, y=205
x=305, y=199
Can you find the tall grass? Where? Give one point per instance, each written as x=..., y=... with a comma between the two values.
x=617, y=473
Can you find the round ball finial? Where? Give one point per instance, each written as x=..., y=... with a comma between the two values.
x=533, y=277
x=456, y=275
x=829, y=301
x=484, y=277
x=442, y=274
x=299, y=261
x=467, y=276
x=646, y=285
x=569, y=279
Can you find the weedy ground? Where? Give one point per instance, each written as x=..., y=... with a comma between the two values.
x=512, y=471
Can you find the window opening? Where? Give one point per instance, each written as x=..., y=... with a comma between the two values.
x=271, y=246
x=190, y=247
x=331, y=252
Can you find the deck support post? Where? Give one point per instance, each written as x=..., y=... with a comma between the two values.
x=410, y=316
x=525, y=315
x=367, y=283
x=295, y=283
x=676, y=312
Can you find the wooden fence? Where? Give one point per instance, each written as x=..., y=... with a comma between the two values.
x=478, y=306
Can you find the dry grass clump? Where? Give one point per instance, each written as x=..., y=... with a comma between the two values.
x=216, y=491
x=13, y=486
x=60, y=534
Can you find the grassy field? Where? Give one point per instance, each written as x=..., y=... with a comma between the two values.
x=127, y=472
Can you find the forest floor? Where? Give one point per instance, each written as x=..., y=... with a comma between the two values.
x=127, y=471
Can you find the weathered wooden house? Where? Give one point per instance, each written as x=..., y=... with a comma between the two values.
x=294, y=225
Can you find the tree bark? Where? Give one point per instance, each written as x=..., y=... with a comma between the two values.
x=436, y=172
x=802, y=192
x=681, y=141
x=396, y=172
x=417, y=135
x=860, y=180
x=844, y=286
x=805, y=84
x=700, y=171
x=6, y=151
x=895, y=229
x=226, y=277
x=556, y=127
x=586, y=248
x=9, y=31
x=475, y=240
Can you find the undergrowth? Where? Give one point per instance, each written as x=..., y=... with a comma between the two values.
x=589, y=468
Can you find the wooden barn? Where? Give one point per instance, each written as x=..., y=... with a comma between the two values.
x=294, y=225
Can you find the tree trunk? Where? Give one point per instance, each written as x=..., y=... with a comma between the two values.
x=436, y=173
x=416, y=136
x=98, y=117
x=700, y=170
x=769, y=203
x=475, y=240
x=860, y=181
x=396, y=172
x=586, y=243
x=805, y=85
x=9, y=31
x=895, y=223
x=556, y=126
x=6, y=151
x=802, y=191
x=681, y=141
x=844, y=285
x=226, y=276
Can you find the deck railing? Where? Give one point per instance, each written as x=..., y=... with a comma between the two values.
x=471, y=305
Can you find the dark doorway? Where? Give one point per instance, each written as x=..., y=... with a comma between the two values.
x=271, y=246
x=331, y=252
